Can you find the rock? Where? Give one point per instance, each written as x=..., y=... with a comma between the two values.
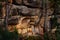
x=58, y=19
x=14, y=12
x=23, y=23
x=11, y=28
x=25, y=11
x=53, y=30
x=13, y=20
x=1, y=22
x=50, y=11
x=17, y=2
x=32, y=3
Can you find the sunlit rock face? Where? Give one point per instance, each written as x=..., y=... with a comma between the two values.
x=23, y=26
x=24, y=16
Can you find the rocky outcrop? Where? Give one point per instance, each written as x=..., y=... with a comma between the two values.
x=25, y=14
